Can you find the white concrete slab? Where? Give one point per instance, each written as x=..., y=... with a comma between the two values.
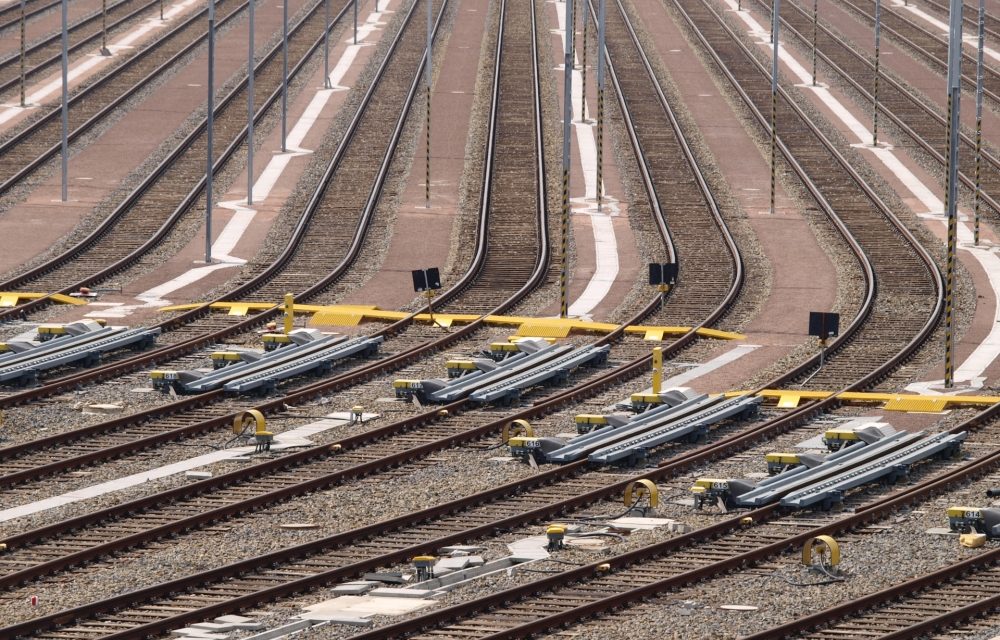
x=364, y=606
x=705, y=368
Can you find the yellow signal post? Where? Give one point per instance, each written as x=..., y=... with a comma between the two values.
x=289, y=312
x=657, y=370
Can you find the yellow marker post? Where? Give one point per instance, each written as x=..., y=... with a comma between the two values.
x=289, y=312
x=657, y=369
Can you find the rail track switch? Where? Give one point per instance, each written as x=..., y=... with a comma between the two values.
x=778, y=462
x=459, y=368
x=273, y=341
x=587, y=422
x=357, y=414
x=224, y=358
x=163, y=379
x=556, y=534
x=425, y=567
x=525, y=447
x=974, y=520
x=719, y=491
x=264, y=440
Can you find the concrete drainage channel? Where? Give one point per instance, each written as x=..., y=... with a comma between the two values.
x=354, y=603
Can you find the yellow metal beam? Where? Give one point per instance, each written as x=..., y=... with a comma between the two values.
x=789, y=399
x=14, y=298
x=351, y=315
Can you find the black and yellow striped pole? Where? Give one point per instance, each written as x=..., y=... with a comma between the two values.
x=775, y=17
x=427, y=128
x=600, y=104
x=815, y=30
x=878, y=34
x=951, y=191
x=583, y=67
x=979, y=117
x=567, y=119
x=104, y=28
x=23, y=44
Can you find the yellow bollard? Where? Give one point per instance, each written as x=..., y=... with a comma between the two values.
x=289, y=312
x=657, y=369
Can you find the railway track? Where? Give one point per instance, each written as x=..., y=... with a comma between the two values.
x=577, y=594
x=10, y=16
x=31, y=147
x=923, y=126
x=348, y=180
x=601, y=381
x=970, y=17
x=930, y=46
x=147, y=215
x=933, y=603
x=85, y=32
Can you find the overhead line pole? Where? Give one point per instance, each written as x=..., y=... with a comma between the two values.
x=979, y=116
x=427, y=128
x=878, y=36
x=583, y=65
x=600, y=103
x=326, y=45
x=951, y=192
x=23, y=46
x=567, y=119
x=211, y=125
x=775, y=22
x=284, y=76
x=65, y=101
x=250, y=109
x=815, y=29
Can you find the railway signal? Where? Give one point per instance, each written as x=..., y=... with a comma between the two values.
x=662, y=276
x=951, y=191
x=427, y=281
x=824, y=326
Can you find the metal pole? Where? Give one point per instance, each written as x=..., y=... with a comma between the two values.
x=600, y=104
x=284, y=76
x=427, y=128
x=815, y=29
x=356, y=21
x=878, y=37
x=326, y=47
x=211, y=124
x=23, y=43
x=775, y=11
x=161, y=9
x=104, y=28
x=583, y=66
x=250, y=109
x=567, y=119
x=979, y=115
x=65, y=102
x=951, y=204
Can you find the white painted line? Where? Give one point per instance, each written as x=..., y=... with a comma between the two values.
x=605, y=242
x=89, y=63
x=242, y=216
x=705, y=368
x=969, y=373
x=295, y=438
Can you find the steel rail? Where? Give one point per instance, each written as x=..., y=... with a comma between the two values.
x=158, y=173
x=88, y=92
x=54, y=39
x=601, y=383
x=885, y=108
x=933, y=58
x=188, y=404
x=30, y=11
